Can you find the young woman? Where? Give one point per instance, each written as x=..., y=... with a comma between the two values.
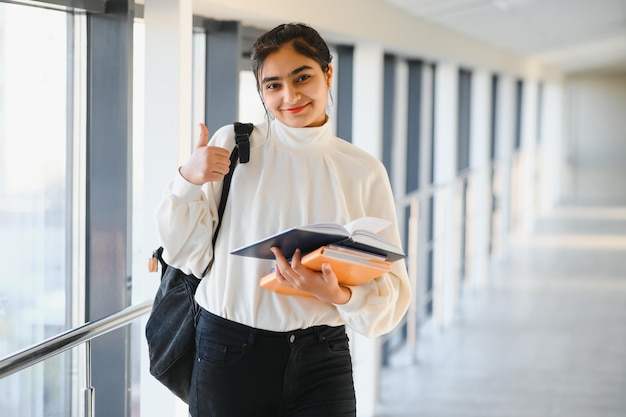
x=260, y=353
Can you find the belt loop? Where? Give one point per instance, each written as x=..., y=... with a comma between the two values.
x=251, y=338
x=320, y=335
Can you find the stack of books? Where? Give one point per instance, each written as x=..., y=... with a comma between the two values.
x=355, y=251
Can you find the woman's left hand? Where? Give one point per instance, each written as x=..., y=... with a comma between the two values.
x=323, y=285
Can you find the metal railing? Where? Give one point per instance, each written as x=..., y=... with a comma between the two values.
x=69, y=339
x=418, y=246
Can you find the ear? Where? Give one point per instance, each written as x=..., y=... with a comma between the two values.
x=329, y=76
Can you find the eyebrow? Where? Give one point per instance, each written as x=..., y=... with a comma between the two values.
x=291, y=74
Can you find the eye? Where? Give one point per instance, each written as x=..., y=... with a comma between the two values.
x=272, y=86
x=303, y=78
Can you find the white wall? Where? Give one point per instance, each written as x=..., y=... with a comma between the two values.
x=596, y=139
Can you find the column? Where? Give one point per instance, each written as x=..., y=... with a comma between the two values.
x=446, y=281
x=167, y=144
x=505, y=135
x=528, y=153
x=367, y=129
x=480, y=197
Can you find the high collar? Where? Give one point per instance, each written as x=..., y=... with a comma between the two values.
x=306, y=140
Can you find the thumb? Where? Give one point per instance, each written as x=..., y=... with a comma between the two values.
x=203, y=140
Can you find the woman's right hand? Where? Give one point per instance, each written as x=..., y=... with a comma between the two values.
x=207, y=163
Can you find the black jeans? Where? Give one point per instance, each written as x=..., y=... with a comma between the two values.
x=241, y=371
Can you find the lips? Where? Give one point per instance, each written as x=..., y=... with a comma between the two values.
x=294, y=110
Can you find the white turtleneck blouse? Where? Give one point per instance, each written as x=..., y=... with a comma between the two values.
x=295, y=177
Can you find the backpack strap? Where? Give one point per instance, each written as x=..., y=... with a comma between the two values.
x=242, y=140
x=240, y=153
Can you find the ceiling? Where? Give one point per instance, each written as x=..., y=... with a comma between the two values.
x=571, y=35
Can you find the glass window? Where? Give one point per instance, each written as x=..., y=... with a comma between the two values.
x=343, y=74
x=519, y=100
x=414, y=109
x=463, y=127
x=36, y=202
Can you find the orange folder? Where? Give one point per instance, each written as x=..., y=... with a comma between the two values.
x=352, y=267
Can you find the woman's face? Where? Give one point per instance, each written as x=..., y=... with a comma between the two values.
x=294, y=88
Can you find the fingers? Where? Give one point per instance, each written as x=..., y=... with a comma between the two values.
x=203, y=140
x=217, y=163
x=327, y=270
x=208, y=163
x=219, y=158
x=285, y=265
x=281, y=265
x=291, y=272
x=281, y=262
x=284, y=268
x=323, y=284
x=295, y=259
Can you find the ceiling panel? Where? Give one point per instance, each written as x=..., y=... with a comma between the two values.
x=583, y=34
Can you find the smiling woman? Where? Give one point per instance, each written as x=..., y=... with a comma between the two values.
x=286, y=354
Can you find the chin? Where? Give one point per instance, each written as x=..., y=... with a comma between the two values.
x=295, y=122
x=298, y=122
x=292, y=124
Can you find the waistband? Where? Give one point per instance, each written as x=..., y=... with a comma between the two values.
x=252, y=334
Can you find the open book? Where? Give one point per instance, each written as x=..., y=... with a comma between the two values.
x=360, y=234
x=352, y=267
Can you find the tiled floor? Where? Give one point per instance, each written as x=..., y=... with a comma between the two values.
x=546, y=339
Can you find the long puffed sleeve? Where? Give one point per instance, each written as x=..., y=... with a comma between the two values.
x=186, y=218
x=377, y=306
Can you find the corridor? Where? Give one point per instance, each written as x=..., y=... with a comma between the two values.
x=546, y=339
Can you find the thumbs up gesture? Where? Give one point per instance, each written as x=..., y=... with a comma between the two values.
x=207, y=163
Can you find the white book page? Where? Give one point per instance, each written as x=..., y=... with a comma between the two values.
x=330, y=228
x=369, y=224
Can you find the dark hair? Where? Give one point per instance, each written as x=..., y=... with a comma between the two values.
x=303, y=38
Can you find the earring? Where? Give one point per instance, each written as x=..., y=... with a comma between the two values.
x=270, y=116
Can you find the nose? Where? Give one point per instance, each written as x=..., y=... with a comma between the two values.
x=292, y=95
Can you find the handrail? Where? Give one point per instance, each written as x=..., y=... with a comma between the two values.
x=417, y=248
x=64, y=341
x=430, y=190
